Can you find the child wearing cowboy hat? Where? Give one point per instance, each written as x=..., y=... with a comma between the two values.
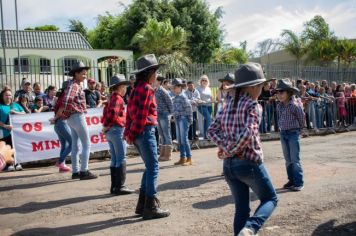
x=291, y=120
x=114, y=119
x=235, y=132
x=183, y=115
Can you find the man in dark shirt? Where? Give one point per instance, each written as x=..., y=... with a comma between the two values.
x=92, y=96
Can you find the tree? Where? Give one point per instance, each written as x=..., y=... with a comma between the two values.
x=204, y=34
x=78, y=26
x=266, y=46
x=323, y=52
x=167, y=42
x=294, y=45
x=160, y=38
x=202, y=27
x=316, y=30
x=230, y=55
x=43, y=28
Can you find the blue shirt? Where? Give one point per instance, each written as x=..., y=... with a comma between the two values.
x=4, y=115
x=182, y=107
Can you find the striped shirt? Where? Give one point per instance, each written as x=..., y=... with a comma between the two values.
x=74, y=100
x=164, y=101
x=182, y=107
x=235, y=129
x=290, y=116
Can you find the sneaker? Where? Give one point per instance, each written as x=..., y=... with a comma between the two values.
x=75, y=176
x=87, y=175
x=246, y=232
x=57, y=164
x=288, y=185
x=11, y=168
x=18, y=167
x=63, y=168
x=297, y=188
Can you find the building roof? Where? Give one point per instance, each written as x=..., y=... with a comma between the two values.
x=44, y=40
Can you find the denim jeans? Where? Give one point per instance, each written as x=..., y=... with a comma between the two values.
x=192, y=134
x=63, y=132
x=291, y=152
x=206, y=113
x=241, y=175
x=164, y=129
x=146, y=145
x=79, y=132
x=182, y=128
x=117, y=145
x=265, y=125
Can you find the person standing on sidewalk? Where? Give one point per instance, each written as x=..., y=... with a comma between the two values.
x=114, y=119
x=141, y=120
x=235, y=132
x=63, y=131
x=183, y=116
x=164, y=111
x=74, y=110
x=290, y=121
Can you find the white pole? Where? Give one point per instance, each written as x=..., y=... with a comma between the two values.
x=18, y=41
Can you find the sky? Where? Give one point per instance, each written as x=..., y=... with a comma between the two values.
x=253, y=20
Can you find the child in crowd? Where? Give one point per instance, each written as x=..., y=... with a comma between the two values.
x=38, y=106
x=340, y=101
x=23, y=101
x=114, y=119
x=290, y=121
x=235, y=132
x=183, y=115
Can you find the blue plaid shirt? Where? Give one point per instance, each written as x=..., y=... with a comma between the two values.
x=182, y=107
x=164, y=101
x=235, y=129
x=290, y=116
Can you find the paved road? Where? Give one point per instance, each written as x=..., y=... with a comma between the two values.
x=40, y=201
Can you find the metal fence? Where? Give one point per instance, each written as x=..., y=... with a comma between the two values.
x=312, y=73
x=54, y=72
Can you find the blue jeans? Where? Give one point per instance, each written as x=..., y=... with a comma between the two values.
x=241, y=175
x=164, y=129
x=117, y=145
x=182, y=129
x=206, y=113
x=79, y=131
x=265, y=125
x=291, y=152
x=147, y=148
x=63, y=132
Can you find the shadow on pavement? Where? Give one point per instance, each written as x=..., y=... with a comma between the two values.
x=191, y=183
x=329, y=229
x=37, y=206
x=22, y=176
x=80, y=228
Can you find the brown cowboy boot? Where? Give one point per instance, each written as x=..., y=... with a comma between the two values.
x=153, y=209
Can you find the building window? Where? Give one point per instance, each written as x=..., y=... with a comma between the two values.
x=25, y=68
x=45, y=66
x=68, y=64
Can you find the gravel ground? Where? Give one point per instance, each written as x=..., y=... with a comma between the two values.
x=41, y=201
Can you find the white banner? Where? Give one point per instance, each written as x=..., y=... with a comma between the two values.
x=34, y=138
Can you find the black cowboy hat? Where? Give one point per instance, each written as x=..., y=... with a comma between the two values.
x=286, y=85
x=177, y=82
x=160, y=78
x=249, y=74
x=78, y=66
x=146, y=62
x=118, y=79
x=229, y=77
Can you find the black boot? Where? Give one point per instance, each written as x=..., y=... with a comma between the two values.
x=113, y=179
x=140, y=203
x=153, y=209
x=121, y=178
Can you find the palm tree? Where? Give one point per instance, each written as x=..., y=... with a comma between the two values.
x=294, y=45
x=168, y=43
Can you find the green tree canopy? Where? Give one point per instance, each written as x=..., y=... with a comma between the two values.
x=201, y=26
x=293, y=44
x=44, y=28
x=230, y=55
x=78, y=26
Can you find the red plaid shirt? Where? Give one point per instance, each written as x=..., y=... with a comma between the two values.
x=114, y=112
x=235, y=130
x=141, y=110
x=74, y=99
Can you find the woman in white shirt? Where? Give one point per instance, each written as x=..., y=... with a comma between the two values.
x=205, y=105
